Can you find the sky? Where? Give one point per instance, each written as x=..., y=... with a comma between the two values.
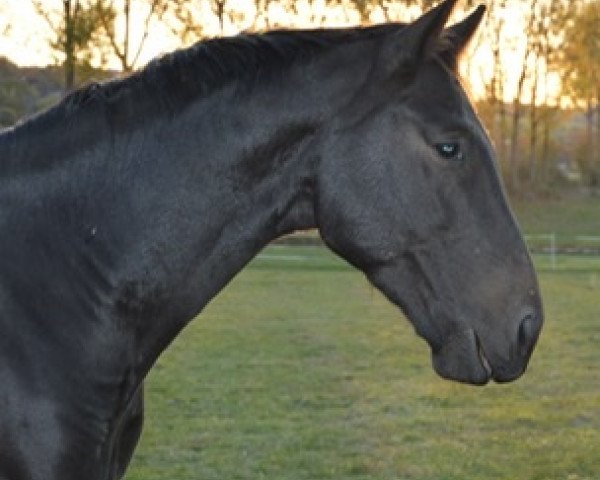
x=21, y=35
x=24, y=36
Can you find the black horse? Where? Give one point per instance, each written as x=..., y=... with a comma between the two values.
x=128, y=206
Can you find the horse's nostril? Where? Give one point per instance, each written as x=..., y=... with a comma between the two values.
x=527, y=334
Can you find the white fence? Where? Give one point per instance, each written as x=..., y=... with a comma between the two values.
x=552, y=250
x=553, y=245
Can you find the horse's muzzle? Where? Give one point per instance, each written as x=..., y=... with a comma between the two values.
x=467, y=358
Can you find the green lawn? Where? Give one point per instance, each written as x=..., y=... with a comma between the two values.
x=300, y=370
x=566, y=218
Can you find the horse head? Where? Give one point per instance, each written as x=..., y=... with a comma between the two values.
x=419, y=206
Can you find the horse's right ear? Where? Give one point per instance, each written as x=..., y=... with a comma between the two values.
x=413, y=43
x=458, y=36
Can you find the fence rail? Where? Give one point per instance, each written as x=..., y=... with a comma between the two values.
x=549, y=247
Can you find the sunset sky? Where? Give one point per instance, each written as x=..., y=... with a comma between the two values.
x=24, y=35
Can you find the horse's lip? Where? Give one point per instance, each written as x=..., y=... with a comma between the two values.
x=482, y=358
x=462, y=358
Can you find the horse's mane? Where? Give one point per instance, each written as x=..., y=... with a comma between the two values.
x=173, y=81
x=178, y=77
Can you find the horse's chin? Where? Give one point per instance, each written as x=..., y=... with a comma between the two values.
x=462, y=359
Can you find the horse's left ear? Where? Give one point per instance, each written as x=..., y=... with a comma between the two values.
x=413, y=43
x=454, y=39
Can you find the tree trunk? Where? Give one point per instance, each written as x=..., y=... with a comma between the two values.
x=589, y=137
x=69, y=67
x=220, y=11
x=546, y=140
x=596, y=152
x=496, y=83
x=516, y=121
x=514, y=143
x=496, y=97
x=533, y=126
x=125, y=61
x=502, y=134
x=533, y=147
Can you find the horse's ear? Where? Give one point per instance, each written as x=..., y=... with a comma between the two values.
x=409, y=46
x=456, y=38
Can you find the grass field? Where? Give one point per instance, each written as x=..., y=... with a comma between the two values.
x=565, y=218
x=300, y=370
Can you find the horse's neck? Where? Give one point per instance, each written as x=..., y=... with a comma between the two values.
x=148, y=225
x=238, y=177
x=258, y=186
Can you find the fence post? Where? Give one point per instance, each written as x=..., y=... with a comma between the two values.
x=553, y=250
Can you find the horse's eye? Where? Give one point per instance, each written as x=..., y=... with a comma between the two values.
x=449, y=150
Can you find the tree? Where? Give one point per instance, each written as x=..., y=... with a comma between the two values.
x=120, y=42
x=16, y=95
x=524, y=69
x=580, y=64
x=545, y=39
x=76, y=27
x=517, y=79
x=101, y=31
x=493, y=77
